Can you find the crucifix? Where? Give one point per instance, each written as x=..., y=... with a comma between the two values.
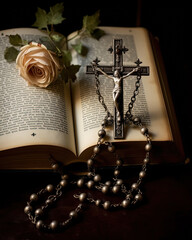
x=117, y=73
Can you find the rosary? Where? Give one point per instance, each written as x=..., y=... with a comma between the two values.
x=93, y=180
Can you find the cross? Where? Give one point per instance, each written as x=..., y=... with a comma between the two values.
x=119, y=72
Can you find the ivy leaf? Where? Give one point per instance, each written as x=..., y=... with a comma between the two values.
x=91, y=22
x=66, y=57
x=10, y=54
x=41, y=19
x=80, y=49
x=15, y=40
x=72, y=70
x=98, y=33
x=55, y=15
x=47, y=42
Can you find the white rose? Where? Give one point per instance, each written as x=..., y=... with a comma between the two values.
x=37, y=65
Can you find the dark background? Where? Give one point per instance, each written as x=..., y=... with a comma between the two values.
x=167, y=209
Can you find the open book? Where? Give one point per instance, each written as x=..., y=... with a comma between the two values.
x=64, y=119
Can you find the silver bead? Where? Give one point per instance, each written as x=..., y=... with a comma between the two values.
x=119, y=182
x=38, y=212
x=34, y=197
x=65, y=177
x=148, y=147
x=106, y=205
x=119, y=162
x=142, y=174
x=63, y=183
x=101, y=133
x=138, y=197
x=96, y=149
x=108, y=183
x=80, y=182
x=39, y=224
x=144, y=130
x=105, y=189
x=82, y=197
x=54, y=224
x=136, y=120
x=90, y=184
x=134, y=186
x=97, y=202
x=115, y=189
x=116, y=173
x=73, y=214
x=55, y=166
x=27, y=209
x=97, y=178
x=111, y=148
x=90, y=162
x=49, y=188
x=125, y=203
x=146, y=160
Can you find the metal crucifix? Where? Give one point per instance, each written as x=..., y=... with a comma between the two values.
x=118, y=72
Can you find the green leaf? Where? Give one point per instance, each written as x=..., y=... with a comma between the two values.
x=41, y=19
x=91, y=22
x=98, y=33
x=55, y=14
x=80, y=48
x=15, y=40
x=10, y=54
x=72, y=70
x=48, y=43
x=66, y=57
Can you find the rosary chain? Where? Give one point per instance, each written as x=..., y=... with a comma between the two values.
x=128, y=114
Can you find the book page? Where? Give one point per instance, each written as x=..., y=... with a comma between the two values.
x=31, y=115
x=149, y=105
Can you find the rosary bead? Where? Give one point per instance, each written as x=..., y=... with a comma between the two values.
x=90, y=162
x=146, y=160
x=138, y=197
x=63, y=183
x=115, y=189
x=90, y=184
x=97, y=202
x=108, y=183
x=65, y=177
x=104, y=122
x=105, y=189
x=38, y=212
x=137, y=120
x=53, y=225
x=39, y=224
x=97, y=178
x=148, y=147
x=111, y=148
x=34, y=197
x=80, y=182
x=119, y=162
x=125, y=203
x=27, y=209
x=89, y=174
x=144, y=130
x=101, y=133
x=116, y=173
x=55, y=166
x=134, y=186
x=142, y=174
x=49, y=188
x=106, y=205
x=119, y=182
x=73, y=214
x=96, y=149
x=129, y=196
x=82, y=197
